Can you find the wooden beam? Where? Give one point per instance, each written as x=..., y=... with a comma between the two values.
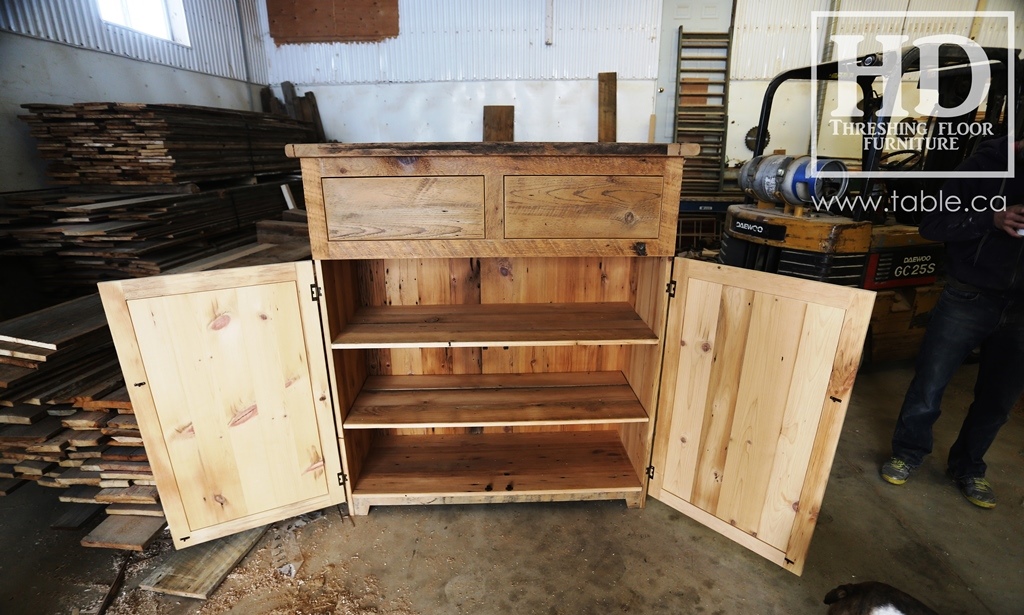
x=607, y=109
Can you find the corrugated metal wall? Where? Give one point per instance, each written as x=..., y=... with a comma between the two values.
x=770, y=37
x=470, y=40
x=217, y=46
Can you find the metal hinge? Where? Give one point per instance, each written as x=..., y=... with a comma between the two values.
x=342, y=479
x=315, y=292
x=650, y=472
x=670, y=288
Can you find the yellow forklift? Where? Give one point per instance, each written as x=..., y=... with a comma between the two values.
x=806, y=218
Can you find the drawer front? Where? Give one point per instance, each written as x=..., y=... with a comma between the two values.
x=582, y=206
x=390, y=208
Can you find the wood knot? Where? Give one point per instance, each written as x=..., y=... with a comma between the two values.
x=705, y=346
x=221, y=321
x=629, y=218
x=263, y=316
x=218, y=498
x=796, y=506
x=682, y=439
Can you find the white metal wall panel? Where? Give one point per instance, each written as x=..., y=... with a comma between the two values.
x=213, y=25
x=469, y=40
x=770, y=37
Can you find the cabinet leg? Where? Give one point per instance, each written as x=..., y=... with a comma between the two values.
x=359, y=509
x=635, y=500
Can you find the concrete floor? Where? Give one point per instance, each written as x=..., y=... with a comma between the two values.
x=592, y=557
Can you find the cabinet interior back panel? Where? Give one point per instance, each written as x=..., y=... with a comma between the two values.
x=238, y=433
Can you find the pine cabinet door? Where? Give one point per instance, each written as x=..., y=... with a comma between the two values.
x=227, y=376
x=757, y=375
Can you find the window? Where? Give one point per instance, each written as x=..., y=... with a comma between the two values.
x=160, y=18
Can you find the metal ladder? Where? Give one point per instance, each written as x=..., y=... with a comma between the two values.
x=702, y=93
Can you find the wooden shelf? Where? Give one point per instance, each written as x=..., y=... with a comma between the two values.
x=512, y=324
x=500, y=465
x=495, y=399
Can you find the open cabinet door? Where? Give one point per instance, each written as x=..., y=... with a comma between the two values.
x=227, y=376
x=756, y=378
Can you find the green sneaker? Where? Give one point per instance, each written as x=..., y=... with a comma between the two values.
x=978, y=491
x=896, y=471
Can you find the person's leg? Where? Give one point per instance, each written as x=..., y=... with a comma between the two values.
x=1000, y=383
x=959, y=323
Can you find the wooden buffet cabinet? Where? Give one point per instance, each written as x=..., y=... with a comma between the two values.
x=488, y=323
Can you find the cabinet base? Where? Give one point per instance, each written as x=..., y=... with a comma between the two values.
x=361, y=504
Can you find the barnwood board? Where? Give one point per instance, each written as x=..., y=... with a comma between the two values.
x=142, y=510
x=75, y=516
x=30, y=434
x=77, y=476
x=456, y=401
x=88, y=438
x=497, y=463
x=499, y=123
x=56, y=326
x=86, y=420
x=380, y=208
x=34, y=468
x=136, y=494
x=23, y=414
x=197, y=572
x=116, y=400
x=566, y=207
x=80, y=494
x=607, y=107
x=438, y=326
x=132, y=533
x=8, y=485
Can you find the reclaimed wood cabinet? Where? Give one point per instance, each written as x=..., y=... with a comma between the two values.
x=488, y=323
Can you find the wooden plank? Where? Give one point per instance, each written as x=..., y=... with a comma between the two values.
x=197, y=572
x=22, y=414
x=31, y=434
x=34, y=468
x=9, y=485
x=87, y=439
x=80, y=494
x=422, y=406
x=116, y=400
x=142, y=510
x=379, y=208
x=56, y=326
x=131, y=533
x=498, y=463
x=75, y=516
x=499, y=123
x=607, y=107
x=77, y=476
x=86, y=420
x=414, y=326
x=568, y=207
x=136, y=494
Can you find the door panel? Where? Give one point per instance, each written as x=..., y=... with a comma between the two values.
x=757, y=374
x=230, y=391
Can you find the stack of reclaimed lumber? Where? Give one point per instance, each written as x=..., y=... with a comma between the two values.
x=136, y=144
x=66, y=419
x=86, y=237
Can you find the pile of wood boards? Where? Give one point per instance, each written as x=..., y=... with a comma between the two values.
x=134, y=143
x=84, y=237
x=66, y=420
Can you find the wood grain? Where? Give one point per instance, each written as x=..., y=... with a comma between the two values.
x=124, y=532
x=743, y=443
x=377, y=208
x=196, y=573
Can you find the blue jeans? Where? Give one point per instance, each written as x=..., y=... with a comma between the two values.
x=961, y=321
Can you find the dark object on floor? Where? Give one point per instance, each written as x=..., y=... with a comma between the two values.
x=872, y=597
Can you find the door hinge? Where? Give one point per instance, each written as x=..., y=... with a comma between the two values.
x=670, y=288
x=650, y=472
x=342, y=479
x=315, y=292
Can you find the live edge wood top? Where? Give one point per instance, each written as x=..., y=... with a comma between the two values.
x=513, y=324
x=328, y=150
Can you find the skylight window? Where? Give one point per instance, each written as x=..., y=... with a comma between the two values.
x=160, y=18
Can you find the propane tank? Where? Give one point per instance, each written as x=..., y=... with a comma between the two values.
x=779, y=178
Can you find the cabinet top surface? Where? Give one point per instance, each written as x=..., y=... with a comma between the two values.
x=327, y=150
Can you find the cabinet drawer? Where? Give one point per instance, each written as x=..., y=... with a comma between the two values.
x=383, y=208
x=582, y=207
